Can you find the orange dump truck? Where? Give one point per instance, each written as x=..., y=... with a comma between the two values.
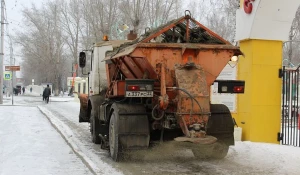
x=157, y=88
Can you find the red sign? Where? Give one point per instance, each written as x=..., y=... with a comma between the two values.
x=12, y=68
x=248, y=6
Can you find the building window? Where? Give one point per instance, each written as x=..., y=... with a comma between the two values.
x=84, y=84
x=78, y=88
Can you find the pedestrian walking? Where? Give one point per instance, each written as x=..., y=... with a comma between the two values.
x=16, y=91
x=46, y=93
x=30, y=89
x=23, y=89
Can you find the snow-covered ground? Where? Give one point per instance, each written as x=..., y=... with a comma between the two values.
x=243, y=158
x=30, y=145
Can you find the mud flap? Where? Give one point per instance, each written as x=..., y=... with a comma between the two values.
x=84, y=113
x=220, y=124
x=133, y=126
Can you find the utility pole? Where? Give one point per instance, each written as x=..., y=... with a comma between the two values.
x=1, y=52
x=12, y=72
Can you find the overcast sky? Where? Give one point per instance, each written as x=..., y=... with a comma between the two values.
x=14, y=14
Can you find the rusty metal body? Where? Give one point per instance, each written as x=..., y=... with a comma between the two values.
x=183, y=71
x=157, y=88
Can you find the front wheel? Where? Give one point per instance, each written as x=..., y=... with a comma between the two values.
x=114, y=146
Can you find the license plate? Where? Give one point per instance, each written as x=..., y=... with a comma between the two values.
x=139, y=93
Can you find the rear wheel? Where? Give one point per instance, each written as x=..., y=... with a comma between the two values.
x=114, y=146
x=221, y=126
x=94, y=128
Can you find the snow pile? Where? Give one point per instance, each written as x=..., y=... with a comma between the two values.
x=76, y=145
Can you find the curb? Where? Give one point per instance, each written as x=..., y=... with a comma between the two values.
x=67, y=134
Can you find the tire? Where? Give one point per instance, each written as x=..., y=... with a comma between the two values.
x=94, y=128
x=220, y=124
x=114, y=145
x=84, y=115
x=216, y=150
x=80, y=113
x=220, y=150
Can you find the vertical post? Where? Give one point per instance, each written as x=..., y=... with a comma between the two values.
x=188, y=30
x=1, y=52
x=12, y=86
x=11, y=63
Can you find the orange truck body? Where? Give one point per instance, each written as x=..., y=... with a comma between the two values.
x=159, y=81
x=164, y=62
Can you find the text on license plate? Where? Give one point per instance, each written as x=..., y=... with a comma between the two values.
x=139, y=94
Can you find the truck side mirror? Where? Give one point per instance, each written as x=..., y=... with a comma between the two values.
x=82, y=59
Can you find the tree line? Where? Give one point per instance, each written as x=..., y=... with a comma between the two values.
x=53, y=34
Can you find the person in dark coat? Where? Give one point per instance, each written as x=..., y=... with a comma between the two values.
x=16, y=91
x=23, y=89
x=46, y=93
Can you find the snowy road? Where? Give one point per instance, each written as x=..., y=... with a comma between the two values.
x=243, y=158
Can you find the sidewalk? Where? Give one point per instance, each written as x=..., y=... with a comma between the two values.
x=38, y=100
x=30, y=145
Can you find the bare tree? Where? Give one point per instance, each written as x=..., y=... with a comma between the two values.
x=42, y=44
x=159, y=12
x=134, y=12
x=54, y=33
x=70, y=22
x=291, y=51
x=100, y=16
x=219, y=16
x=71, y=11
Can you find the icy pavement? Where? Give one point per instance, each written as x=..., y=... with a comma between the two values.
x=243, y=158
x=31, y=100
x=30, y=145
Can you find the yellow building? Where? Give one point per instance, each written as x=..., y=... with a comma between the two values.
x=262, y=26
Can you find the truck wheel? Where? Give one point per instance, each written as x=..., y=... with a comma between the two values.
x=114, y=146
x=94, y=128
x=220, y=150
x=216, y=150
x=220, y=124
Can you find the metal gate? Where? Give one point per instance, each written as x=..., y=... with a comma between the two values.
x=290, y=122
